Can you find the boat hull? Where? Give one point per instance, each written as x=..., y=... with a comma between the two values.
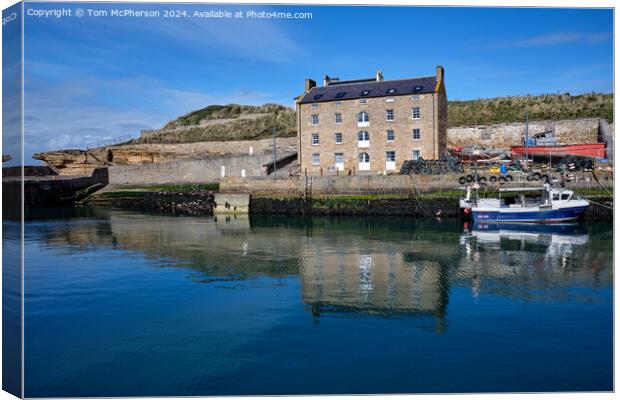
x=595, y=150
x=541, y=216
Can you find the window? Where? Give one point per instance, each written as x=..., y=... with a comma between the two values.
x=415, y=112
x=315, y=119
x=315, y=106
x=565, y=196
x=365, y=92
x=390, y=135
x=364, y=158
x=391, y=91
x=363, y=136
x=418, y=88
x=389, y=100
x=340, y=95
x=389, y=115
x=415, y=154
x=338, y=118
x=338, y=138
x=363, y=101
x=317, y=96
x=339, y=158
x=415, y=134
x=362, y=117
x=556, y=196
x=415, y=97
x=390, y=156
x=316, y=159
x=315, y=139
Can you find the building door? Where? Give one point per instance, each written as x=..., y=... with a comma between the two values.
x=364, y=162
x=390, y=160
x=339, y=161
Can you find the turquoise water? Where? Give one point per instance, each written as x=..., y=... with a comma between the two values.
x=121, y=304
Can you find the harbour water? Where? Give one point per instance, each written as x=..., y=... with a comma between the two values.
x=119, y=303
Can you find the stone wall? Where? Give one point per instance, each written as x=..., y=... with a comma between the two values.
x=374, y=184
x=505, y=135
x=211, y=169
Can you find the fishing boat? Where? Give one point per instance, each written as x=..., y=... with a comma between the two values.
x=528, y=204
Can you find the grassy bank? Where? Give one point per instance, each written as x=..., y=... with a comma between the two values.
x=243, y=122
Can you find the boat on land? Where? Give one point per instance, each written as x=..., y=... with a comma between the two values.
x=526, y=204
x=592, y=150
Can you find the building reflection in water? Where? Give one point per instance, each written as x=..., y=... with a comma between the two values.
x=387, y=268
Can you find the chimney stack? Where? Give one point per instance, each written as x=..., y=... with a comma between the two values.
x=310, y=84
x=379, y=76
x=326, y=80
x=439, y=73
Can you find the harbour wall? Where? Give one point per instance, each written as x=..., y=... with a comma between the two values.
x=209, y=169
x=377, y=184
x=574, y=131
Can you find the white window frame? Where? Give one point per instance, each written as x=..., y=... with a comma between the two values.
x=387, y=135
x=318, y=139
x=389, y=113
x=316, y=158
x=413, y=157
x=413, y=113
x=336, y=135
x=365, y=142
x=338, y=118
x=386, y=155
x=361, y=121
x=363, y=165
x=413, y=134
x=312, y=119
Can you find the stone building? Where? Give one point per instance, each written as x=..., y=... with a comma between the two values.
x=370, y=125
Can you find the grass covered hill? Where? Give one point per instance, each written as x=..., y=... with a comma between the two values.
x=241, y=122
x=227, y=123
x=543, y=107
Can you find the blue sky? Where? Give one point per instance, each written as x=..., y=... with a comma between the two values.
x=94, y=78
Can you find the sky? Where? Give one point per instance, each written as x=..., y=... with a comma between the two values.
x=91, y=78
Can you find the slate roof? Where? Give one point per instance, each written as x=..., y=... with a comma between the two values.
x=348, y=90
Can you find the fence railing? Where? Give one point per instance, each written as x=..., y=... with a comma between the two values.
x=108, y=142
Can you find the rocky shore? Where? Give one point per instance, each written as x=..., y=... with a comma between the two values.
x=186, y=201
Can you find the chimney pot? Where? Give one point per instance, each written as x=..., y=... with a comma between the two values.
x=379, y=76
x=326, y=80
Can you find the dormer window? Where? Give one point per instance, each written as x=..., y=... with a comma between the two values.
x=340, y=95
x=365, y=92
x=391, y=91
x=418, y=88
x=317, y=97
x=363, y=117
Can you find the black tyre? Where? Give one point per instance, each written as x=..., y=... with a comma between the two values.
x=510, y=178
x=544, y=179
x=482, y=179
x=529, y=178
x=493, y=179
x=469, y=178
x=462, y=180
x=536, y=176
x=502, y=180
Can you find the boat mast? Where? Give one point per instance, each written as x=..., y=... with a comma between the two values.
x=526, y=138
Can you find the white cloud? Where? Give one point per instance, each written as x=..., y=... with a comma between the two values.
x=551, y=39
x=69, y=115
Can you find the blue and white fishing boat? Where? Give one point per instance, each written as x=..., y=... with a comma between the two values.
x=527, y=204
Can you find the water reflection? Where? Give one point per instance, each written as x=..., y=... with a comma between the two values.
x=383, y=267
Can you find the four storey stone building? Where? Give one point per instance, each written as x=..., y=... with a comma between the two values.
x=370, y=125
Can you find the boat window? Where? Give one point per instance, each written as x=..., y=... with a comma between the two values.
x=556, y=196
x=565, y=196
